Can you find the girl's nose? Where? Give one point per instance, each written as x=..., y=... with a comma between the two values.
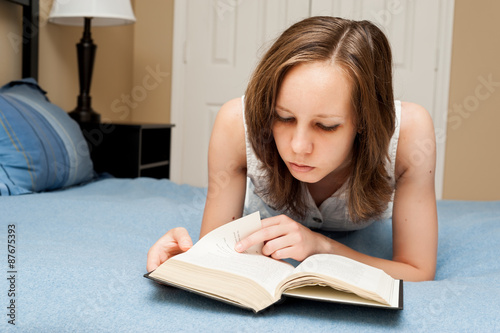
x=301, y=142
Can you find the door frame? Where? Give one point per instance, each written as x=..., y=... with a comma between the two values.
x=180, y=56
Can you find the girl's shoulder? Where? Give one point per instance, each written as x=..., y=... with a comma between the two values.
x=232, y=112
x=229, y=120
x=415, y=123
x=414, y=113
x=417, y=140
x=228, y=132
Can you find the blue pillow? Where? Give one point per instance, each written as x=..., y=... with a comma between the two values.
x=41, y=147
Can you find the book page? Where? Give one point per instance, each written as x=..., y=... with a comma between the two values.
x=351, y=272
x=216, y=251
x=331, y=295
x=226, y=236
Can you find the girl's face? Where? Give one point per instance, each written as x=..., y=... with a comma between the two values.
x=314, y=128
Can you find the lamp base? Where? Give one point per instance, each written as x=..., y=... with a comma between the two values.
x=85, y=116
x=86, y=49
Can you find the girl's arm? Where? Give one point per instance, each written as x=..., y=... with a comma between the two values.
x=414, y=217
x=226, y=168
x=226, y=186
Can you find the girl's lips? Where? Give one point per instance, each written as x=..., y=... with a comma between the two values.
x=300, y=168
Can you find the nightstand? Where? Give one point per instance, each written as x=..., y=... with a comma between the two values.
x=129, y=150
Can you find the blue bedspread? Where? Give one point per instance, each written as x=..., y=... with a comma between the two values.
x=80, y=257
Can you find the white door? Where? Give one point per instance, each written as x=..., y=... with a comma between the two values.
x=217, y=43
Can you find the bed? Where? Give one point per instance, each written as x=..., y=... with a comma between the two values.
x=81, y=240
x=81, y=256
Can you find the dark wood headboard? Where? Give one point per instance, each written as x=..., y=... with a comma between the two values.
x=30, y=36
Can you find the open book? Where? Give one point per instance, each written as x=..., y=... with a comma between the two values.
x=214, y=269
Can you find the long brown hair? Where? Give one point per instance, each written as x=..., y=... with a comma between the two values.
x=362, y=50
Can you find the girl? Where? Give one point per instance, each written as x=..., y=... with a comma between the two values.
x=318, y=142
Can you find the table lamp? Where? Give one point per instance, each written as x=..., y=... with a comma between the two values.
x=86, y=13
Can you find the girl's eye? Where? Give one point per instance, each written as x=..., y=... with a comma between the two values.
x=328, y=128
x=283, y=119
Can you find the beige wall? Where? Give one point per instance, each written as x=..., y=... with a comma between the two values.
x=153, y=33
x=472, y=167
x=10, y=49
x=131, y=77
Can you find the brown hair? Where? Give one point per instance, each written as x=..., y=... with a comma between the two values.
x=363, y=52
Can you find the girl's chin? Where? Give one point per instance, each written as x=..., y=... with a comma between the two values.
x=308, y=177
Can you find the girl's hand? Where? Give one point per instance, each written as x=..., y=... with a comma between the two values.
x=283, y=238
x=175, y=241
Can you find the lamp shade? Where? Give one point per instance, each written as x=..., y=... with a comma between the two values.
x=102, y=12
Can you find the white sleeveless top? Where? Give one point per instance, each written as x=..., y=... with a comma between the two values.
x=332, y=214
